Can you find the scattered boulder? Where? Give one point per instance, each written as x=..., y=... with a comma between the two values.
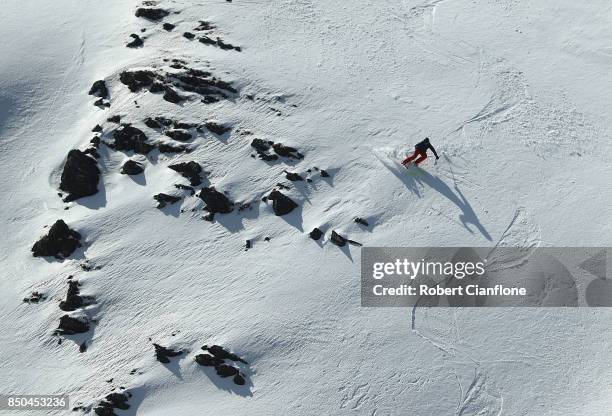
x=216, y=202
x=188, y=35
x=225, y=370
x=35, y=297
x=131, y=167
x=136, y=80
x=80, y=176
x=178, y=135
x=97, y=129
x=169, y=148
x=261, y=145
x=113, y=401
x=316, y=234
x=361, y=221
x=324, y=174
x=190, y=170
x=99, y=89
x=293, y=177
x=152, y=123
x=239, y=380
x=204, y=26
x=217, y=128
x=207, y=360
x=172, y=96
x=165, y=199
x=281, y=204
x=136, y=41
x=222, y=353
x=217, y=360
x=73, y=301
x=70, y=326
x=163, y=354
x=287, y=151
x=154, y=14
x=60, y=242
x=169, y=27
x=114, y=119
x=338, y=240
x=130, y=138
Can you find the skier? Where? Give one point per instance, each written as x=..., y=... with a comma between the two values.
x=420, y=151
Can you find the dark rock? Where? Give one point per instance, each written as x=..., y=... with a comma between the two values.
x=247, y=245
x=210, y=99
x=101, y=103
x=222, y=353
x=70, y=326
x=169, y=148
x=239, y=380
x=35, y=297
x=324, y=173
x=95, y=141
x=136, y=80
x=92, y=151
x=190, y=170
x=169, y=26
x=261, y=145
x=136, y=41
x=60, y=242
x=131, y=138
x=165, y=199
x=293, y=177
x=361, y=221
x=152, y=123
x=99, y=89
x=204, y=26
x=179, y=135
x=207, y=360
x=114, y=119
x=316, y=234
x=157, y=87
x=183, y=125
x=216, y=202
x=207, y=41
x=131, y=167
x=163, y=354
x=188, y=35
x=172, y=96
x=151, y=13
x=112, y=401
x=227, y=46
x=97, y=129
x=281, y=204
x=355, y=243
x=83, y=347
x=287, y=151
x=225, y=370
x=217, y=128
x=119, y=400
x=338, y=240
x=80, y=176
x=73, y=300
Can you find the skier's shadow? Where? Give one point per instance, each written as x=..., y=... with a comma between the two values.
x=419, y=177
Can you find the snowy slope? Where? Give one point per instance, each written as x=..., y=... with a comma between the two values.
x=513, y=94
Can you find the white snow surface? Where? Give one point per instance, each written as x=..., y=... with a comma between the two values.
x=514, y=95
